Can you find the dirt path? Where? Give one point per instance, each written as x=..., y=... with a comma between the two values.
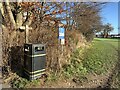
x=94, y=81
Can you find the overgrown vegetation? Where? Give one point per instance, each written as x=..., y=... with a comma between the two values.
x=98, y=58
x=75, y=67
x=24, y=83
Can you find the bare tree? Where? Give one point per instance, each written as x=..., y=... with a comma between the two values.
x=106, y=29
x=87, y=18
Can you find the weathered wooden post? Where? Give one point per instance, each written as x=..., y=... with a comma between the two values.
x=26, y=28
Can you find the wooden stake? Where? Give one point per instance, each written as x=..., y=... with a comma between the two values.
x=26, y=34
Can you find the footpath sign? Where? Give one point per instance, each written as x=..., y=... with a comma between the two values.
x=62, y=35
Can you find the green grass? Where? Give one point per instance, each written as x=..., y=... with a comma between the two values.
x=114, y=42
x=102, y=56
x=75, y=68
x=99, y=58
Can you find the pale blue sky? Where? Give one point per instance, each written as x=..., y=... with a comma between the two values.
x=110, y=15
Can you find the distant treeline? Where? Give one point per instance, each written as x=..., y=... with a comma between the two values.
x=109, y=36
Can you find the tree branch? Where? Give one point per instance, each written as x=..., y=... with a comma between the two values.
x=1, y=8
x=2, y=19
x=10, y=14
x=19, y=18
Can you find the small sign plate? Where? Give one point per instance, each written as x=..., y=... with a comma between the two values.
x=62, y=41
x=61, y=33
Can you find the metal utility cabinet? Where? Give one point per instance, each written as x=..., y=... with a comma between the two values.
x=34, y=60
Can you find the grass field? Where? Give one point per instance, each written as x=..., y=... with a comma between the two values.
x=114, y=42
x=100, y=58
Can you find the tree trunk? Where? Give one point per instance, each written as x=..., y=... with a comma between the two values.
x=10, y=14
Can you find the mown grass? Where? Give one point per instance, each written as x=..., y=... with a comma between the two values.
x=99, y=58
x=114, y=42
x=102, y=56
